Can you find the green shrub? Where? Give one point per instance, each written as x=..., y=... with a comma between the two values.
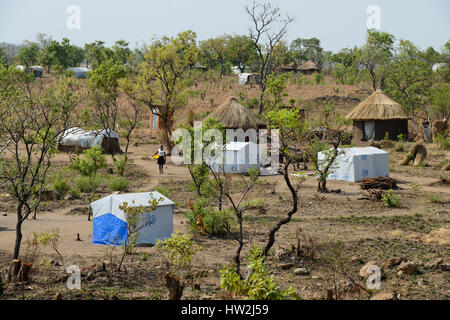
x=117, y=183
x=443, y=140
x=61, y=185
x=120, y=164
x=84, y=184
x=400, y=147
x=390, y=200
x=204, y=218
x=252, y=103
x=261, y=285
x=318, y=78
x=434, y=198
x=75, y=194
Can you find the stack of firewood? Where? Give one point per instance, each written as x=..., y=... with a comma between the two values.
x=384, y=183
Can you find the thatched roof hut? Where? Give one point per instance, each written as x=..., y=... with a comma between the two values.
x=309, y=67
x=290, y=67
x=232, y=115
x=379, y=114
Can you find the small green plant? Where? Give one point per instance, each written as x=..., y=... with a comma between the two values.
x=135, y=220
x=443, y=140
x=61, y=184
x=93, y=160
x=252, y=103
x=390, y=199
x=400, y=145
x=318, y=78
x=179, y=252
x=202, y=217
x=261, y=285
x=386, y=136
x=120, y=164
x=117, y=183
x=86, y=185
x=434, y=198
x=75, y=194
x=144, y=256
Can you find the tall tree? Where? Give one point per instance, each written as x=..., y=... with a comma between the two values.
x=241, y=51
x=28, y=55
x=307, y=49
x=159, y=81
x=267, y=31
x=410, y=77
x=214, y=52
x=376, y=54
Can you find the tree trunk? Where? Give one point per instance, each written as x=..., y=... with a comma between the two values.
x=18, y=232
x=286, y=220
x=14, y=270
x=261, y=104
x=237, y=259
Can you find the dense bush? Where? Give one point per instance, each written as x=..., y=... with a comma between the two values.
x=85, y=184
x=117, y=183
x=205, y=219
x=61, y=185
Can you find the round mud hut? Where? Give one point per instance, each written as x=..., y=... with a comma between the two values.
x=309, y=67
x=377, y=116
x=232, y=115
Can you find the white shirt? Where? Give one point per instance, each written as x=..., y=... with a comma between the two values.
x=161, y=153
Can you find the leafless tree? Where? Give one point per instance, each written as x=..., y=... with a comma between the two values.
x=266, y=32
x=30, y=125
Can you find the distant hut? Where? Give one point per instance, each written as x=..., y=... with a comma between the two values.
x=290, y=67
x=232, y=115
x=376, y=115
x=309, y=67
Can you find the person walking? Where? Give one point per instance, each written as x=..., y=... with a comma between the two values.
x=161, y=159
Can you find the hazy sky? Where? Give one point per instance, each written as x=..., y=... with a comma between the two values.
x=337, y=24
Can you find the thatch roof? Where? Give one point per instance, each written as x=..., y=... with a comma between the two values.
x=232, y=115
x=309, y=65
x=378, y=106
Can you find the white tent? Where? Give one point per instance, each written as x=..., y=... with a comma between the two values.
x=77, y=137
x=354, y=164
x=80, y=72
x=110, y=226
x=237, y=157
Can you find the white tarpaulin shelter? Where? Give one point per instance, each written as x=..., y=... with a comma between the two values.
x=354, y=164
x=110, y=225
x=77, y=137
x=80, y=72
x=238, y=157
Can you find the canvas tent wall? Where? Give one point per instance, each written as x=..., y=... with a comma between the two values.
x=80, y=72
x=245, y=78
x=354, y=164
x=110, y=225
x=77, y=138
x=237, y=157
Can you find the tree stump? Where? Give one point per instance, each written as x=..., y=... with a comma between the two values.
x=24, y=273
x=14, y=270
x=174, y=285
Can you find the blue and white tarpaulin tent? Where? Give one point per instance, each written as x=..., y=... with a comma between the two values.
x=110, y=226
x=354, y=164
